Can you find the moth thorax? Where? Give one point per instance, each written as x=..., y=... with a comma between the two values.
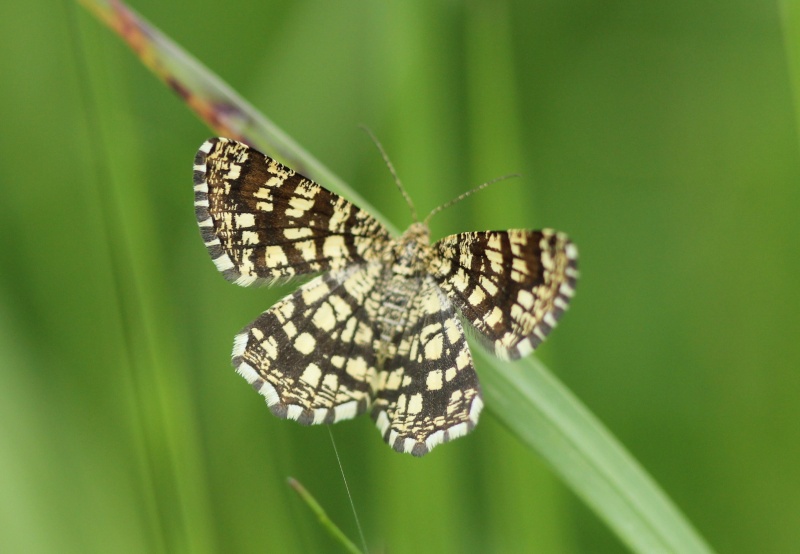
x=411, y=252
x=418, y=232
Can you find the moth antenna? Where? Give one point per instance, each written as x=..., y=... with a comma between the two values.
x=391, y=169
x=461, y=197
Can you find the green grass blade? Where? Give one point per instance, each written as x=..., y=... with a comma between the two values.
x=533, y=404
x=213, y=100
x=545, y=415
x=324, y=520
x=790, y=22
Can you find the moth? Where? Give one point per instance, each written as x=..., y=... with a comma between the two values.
x=381, y=325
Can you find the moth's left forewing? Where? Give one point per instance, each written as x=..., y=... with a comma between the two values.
x=263, y=222
x=511, y=286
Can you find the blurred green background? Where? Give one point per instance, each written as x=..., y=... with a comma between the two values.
x=662, y=137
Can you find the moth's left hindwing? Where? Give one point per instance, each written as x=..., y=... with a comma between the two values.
x=311, y=355
x=261, y=221
x=511, y=286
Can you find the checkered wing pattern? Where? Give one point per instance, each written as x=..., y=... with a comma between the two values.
x=311, y=355
x=428, y=390
x=262, y=222
x=511, y=286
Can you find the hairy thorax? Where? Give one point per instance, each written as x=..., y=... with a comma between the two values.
x=405, y=262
